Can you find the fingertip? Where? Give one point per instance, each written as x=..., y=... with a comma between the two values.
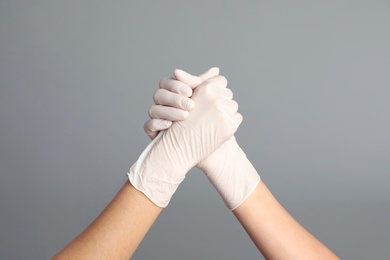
x=152, y=135
x=148, y=129
x=166, y=123
x=191, y=104
x=185, y=77
x=239, y=118
x=187, y=103
x=214, y=71
x=186, y=91
x=153, y=126
x=179, y=73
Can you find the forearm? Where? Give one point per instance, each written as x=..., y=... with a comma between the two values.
x=275, y=232
x=117, y=231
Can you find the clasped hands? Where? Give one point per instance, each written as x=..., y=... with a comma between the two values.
x=192, y=123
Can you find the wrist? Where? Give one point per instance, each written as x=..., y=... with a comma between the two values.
x=155, y=173
x=231, y=173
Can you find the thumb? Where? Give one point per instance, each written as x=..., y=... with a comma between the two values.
x=214, y=71
x=194, y=81
x=187, y=78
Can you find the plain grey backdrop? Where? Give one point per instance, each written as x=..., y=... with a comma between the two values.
x=312, y=79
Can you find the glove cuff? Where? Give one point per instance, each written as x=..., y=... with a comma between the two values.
x=151, y=178
x=231, y=173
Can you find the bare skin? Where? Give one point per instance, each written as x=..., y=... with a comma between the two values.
x=120, y=228
x=272, y=229
x=275, y=232
x=117, y=231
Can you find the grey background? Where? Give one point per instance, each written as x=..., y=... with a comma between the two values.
x=311, y=77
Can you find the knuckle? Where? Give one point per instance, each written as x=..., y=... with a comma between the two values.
x=205, y=89
x=148, y=128
x=223, y=80
x=234, y=106
x=239, y=118
x=183, y=114
x=182, y=103
x=155, y=95
x=210, y=81
x=229, y=93
x=178, y=115
x=218, y=104
x=158, y=96
x=163, y=82
x=218, y=81
x=151, y=111
x=154, y=126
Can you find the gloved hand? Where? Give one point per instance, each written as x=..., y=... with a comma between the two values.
x=228, y=168
x=164, y=163
x=173, y=100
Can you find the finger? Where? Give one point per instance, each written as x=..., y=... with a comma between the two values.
x=214, y=71
x=226, y=93
x=167, y=98
x=227, y=106
x=217, y=81
x=185, y=77
x=167, y=113
x=229, y=109
x=153, y=126
x=194, y=81
x=237, y=118
x=232, y=106
x=175, y=86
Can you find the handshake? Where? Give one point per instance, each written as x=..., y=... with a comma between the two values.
x=192, y=124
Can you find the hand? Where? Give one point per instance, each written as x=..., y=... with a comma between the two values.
x=227, y=168
x=164, y=163
x=173, y=100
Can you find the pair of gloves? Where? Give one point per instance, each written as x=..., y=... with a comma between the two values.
x=195, y=118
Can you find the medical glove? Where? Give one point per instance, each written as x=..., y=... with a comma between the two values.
x=228, y=168
x=164, y=163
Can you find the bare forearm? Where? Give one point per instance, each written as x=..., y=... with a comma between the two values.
x=117, y=231
x=275, y=232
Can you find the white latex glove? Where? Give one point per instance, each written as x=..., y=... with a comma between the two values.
x=164, y=163
x=228, y=168
x=173, y=100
